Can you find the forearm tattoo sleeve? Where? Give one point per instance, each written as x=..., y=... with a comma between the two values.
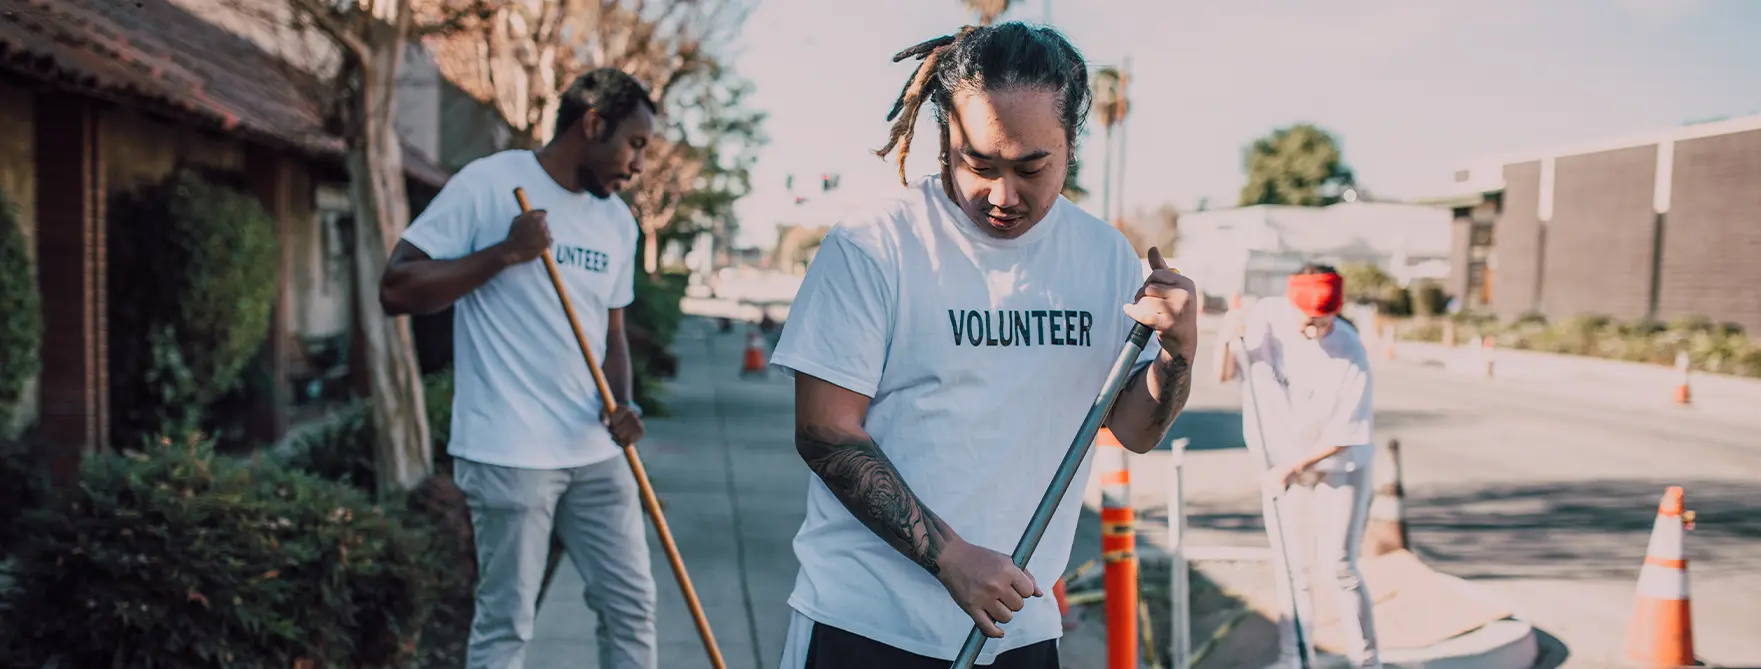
x=862, y=477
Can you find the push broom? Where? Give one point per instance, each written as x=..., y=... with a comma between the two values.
x=1242, y=362
x=649, y=501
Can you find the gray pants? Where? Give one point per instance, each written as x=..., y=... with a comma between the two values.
x=595, y=511
x=1323, y=518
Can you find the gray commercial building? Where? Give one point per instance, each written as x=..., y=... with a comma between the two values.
x=1658, y=226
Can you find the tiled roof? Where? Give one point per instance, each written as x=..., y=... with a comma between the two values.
x=156, y=54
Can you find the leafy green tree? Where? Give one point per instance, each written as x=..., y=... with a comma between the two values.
x=719, y=137
x=1364, y=282
x=21, y=318
x=1299, y=165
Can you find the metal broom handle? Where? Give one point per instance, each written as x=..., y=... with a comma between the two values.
x=1048, y=504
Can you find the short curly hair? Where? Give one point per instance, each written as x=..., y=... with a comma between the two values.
x=608, y=90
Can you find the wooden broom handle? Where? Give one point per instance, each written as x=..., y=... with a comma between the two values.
x=644, y=488
x=556, y=281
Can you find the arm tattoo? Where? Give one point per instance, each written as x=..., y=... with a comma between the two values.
x=862, y=477
x=1175, y=384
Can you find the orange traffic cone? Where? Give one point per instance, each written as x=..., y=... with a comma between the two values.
x=1682, y=395
x=1488, y=353
x=1060, y=593
x=1661, y=633
x=753, y=361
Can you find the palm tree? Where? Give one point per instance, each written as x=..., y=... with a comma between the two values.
x=1111, y=104
x=988, y=10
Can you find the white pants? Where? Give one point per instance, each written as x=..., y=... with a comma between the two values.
x=1323, y=520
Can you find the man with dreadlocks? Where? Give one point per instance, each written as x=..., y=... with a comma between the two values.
x=946, y=345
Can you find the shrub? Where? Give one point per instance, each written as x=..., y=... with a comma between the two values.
x=437, y=392
x=1716, y=348
x=25, y=483
x=437, y=508
x=1364, y=282
x=341, y=448
x=193, y=259
x=1396, y=301
x=21, y=317
x=1428, y=298
x=176, y=557
x=651, y=322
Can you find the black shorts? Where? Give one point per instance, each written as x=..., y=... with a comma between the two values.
x=833, y=648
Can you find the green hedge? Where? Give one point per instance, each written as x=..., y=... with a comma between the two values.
x=1711, y=347
x=177, y=557
x=21, y=317
x=651, y=323
x=354, y=584
x=341, y=450
x=193, y=262
x=25, y=483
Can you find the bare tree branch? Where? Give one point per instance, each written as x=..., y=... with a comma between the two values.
x=334, y=24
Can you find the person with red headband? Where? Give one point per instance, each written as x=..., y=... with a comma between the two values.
x=1312, y=394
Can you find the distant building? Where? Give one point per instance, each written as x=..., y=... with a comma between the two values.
x=1658, y=225
x=1251, y=250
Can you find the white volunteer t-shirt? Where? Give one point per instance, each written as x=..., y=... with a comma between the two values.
x=1312, y=394
x=982, y=356
x=523, y=397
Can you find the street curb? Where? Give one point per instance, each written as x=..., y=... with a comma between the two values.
x=1509, y=643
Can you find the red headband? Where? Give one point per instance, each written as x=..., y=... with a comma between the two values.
x=1316, y=294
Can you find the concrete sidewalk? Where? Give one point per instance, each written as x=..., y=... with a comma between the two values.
x=725, y=466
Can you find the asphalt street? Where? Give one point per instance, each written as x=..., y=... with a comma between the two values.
x=1543, y=495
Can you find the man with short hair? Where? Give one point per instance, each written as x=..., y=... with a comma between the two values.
x=947, y=344
x=531, y=449
x=1312, y=395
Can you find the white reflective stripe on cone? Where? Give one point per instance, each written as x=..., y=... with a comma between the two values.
x=1385, y=507
x=1657, y=582
x=1666, y=538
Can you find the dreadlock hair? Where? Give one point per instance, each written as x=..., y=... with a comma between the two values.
x=988, y=58
x=610, y=91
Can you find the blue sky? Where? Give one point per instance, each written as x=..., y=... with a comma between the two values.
x=1411, y=89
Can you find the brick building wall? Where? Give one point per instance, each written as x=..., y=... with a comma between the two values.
x=1712, y=232
x=73, y=416
x=1520, y=237
x=1600, y=240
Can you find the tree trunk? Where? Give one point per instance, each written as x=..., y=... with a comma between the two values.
x=651, y=250
x=376, y=175
x=1107, y=182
